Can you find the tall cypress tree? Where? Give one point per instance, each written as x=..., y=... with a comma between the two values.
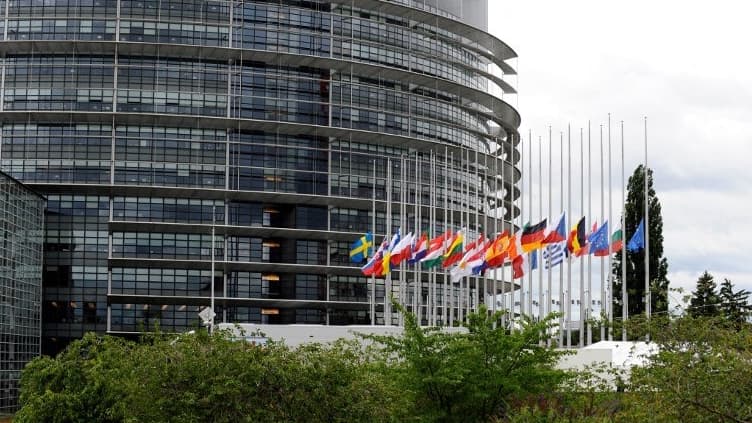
x=634, y=209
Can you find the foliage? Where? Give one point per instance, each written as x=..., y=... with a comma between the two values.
x=200, y=378
x=475, y=375
x=702, y=372
x=705, y=298
x=634, y=211
x=734, y=306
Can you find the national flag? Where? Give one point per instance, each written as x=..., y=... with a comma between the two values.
x=403, y=250
x=554, y=254
x=497, y=251
x=386, y=266
x=419, y=249
x=616, y=241
x=532, y=236
x=599, y=239
x=362, y=248
x=533, y=260
x=375, y=264
x=518, y=266
x=473, y=257
x=559, y=233
x=577, y=239
x=436, y=248
x=637, y=242
x=453, y=253
x=515, y=248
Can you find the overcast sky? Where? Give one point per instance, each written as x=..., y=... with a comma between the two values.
x=687, y=67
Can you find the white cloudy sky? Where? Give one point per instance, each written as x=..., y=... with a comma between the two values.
x=687, y=67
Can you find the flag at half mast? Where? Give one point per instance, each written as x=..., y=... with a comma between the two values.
x=532, y=236
x=436, y=248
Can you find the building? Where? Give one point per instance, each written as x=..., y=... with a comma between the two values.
x=150, y=124
x=21, y=238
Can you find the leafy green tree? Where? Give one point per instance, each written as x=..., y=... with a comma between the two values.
x=734, y=306
x=634, y=210
x=475, y=375
x=705, y=298
x=701, y=372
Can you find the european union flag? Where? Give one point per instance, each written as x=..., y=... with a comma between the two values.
x=599, y=239
x=637, y=242
x=362, y=248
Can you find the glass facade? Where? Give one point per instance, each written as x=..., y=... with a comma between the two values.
x=147, y=122
x=21, y=239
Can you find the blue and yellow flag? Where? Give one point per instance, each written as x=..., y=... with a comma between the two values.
x=362, y=248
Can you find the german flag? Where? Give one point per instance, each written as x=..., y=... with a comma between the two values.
x=577, y=238
x=532, y=236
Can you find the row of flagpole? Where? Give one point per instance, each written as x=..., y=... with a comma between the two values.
x=460, y=206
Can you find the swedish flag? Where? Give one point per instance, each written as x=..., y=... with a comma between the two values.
x=362, y=248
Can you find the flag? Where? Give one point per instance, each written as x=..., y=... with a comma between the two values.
x=533, y=260
x=436, y=248
x=454, y=251
x=497, y=251
x=554, y=254
x=616, y=241
x=420, y=248
x=362, y=248
x=532, y=236
x=518, y=267
x=374, y=266
x=386, y=266
x=515, y=248
x=403, y=250
x=559, y=233
x=473, y=257
x=577, y=239
x=637, y=242
x=599, y=239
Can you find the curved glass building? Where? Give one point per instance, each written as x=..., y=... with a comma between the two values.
x=151, y=124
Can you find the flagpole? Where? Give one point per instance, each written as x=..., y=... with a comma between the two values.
x=450, y=183
x=539, y=255
x=603, y=259
x=589, y=304
x=561, y=267
x=610, y=297
x=478, y=188
x=447, y=281
x=581, y=337
x=403, y=224
x=486, y=208
x=373, y=225
x=624, y=296
x=389, y=231
x=549, y=296
x=418, y=287
x=648, y=296
x=430, y=312
x=495, y=279
x=569, y=259
x=529, y=296
x=214, y=219
x=502, y=156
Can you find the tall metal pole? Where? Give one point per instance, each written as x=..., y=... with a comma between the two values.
x=610, y=286
x=540, y=217
x=214, y=220
x=569, y=260
x=447, y=218
x=567, y=216
x=648, y=296
x=581, y=337
x=529, y=296
x=549, y=295
x=373, y=225
x=624, y=296
x=589, y=303
x=603, y=259
x=389, y=231
x=418, y=287
x=502, y=156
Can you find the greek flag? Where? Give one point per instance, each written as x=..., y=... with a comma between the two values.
x=554, y=254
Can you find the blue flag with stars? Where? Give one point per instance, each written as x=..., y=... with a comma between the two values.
x=637, y=242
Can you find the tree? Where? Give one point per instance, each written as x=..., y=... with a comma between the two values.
x=705, y=299
x=472, y=376
x=634, y=211
x=734, y=306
